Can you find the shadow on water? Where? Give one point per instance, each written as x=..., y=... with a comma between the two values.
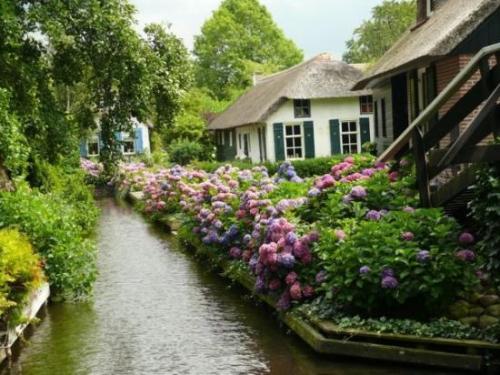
x=157, y=310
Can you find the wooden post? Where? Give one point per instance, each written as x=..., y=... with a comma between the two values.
x=421, y=167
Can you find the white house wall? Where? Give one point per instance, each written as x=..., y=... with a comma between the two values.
x=254, y=152
x=322, y=111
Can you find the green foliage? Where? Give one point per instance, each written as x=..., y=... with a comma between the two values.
x=20, y=271
x=375, y=36
x=440, y=328
x=379, y=245
x=14, y=150
x=58, y=228
x=304, y=168
x=239, y=38
x=197, y=105
x=485, y=211
x=172, y=76
x=183, y=151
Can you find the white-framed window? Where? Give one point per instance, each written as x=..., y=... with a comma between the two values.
x=294, y=141
x=93, y=147
x=350, y=137
x=128, y=146
x=302, y=108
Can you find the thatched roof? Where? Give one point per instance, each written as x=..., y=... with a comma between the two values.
x=318, y=78
x=448, y=26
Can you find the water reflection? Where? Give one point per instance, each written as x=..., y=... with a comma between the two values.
x=156, y=310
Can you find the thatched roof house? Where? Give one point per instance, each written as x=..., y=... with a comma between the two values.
x=449, y=25
x=321, y=77
x=278, y=118
x=419, y=66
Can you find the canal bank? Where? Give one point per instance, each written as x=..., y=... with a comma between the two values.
x=157, y=310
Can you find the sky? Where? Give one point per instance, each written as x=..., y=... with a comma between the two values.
x=316, y=26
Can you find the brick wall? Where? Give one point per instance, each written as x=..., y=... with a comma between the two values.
x=446, y=69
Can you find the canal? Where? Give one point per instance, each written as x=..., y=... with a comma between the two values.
x=157, y=310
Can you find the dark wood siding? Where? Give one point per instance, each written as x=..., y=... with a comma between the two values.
x=399, y=85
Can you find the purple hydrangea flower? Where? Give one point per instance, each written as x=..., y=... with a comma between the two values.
x=389, y=282
x=314, y=192
x=290, y=238
x=409, y=209
x=373, y=215
x=407, y=236
x=466, y=238
x=423, y=256
x=235, y=253
x=284, y=301
x=365, y=270
x=388, y=272
x=466, y=255
x=260, y=285
x=321, y=277
x=286, y=260
x=358, y=192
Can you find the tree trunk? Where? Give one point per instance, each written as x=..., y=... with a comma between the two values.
x=5, y=182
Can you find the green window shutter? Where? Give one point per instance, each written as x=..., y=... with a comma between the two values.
x=309, y=139
x=335, y=137
x=279, y=144
x=364, y=126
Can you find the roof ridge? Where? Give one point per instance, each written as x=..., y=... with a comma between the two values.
x=294, y=68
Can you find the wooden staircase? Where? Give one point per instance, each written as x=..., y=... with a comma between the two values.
x=464, y=154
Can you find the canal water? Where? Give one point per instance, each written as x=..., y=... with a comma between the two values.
x=157, y=310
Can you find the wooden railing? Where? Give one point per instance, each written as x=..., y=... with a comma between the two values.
x=483, y=96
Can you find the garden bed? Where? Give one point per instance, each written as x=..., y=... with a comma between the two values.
x=35, y=301
x=327, y=338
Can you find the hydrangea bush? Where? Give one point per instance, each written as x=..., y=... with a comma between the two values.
x=353, y=238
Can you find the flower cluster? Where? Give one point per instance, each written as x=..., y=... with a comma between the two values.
x=90, y=168
x=286, y=172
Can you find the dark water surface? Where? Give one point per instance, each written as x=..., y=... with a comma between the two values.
x=157, y=310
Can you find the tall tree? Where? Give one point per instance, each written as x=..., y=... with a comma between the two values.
x=240, y=36
x=172, y=76
x=97, y=47
x=375, y=36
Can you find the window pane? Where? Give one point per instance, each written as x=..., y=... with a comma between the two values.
x=93, y=148
x=354, y=138
x=354, y=149
x=289, y=130
x=346, y=150
x=289, y=142
x=298, y=142
x=128, y=147
x=345, y=127
x=296, y=129
x=298, y=153
x=345, y=139
x=353, y=126
x=289, y=152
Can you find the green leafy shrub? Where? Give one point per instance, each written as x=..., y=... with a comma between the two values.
x=14, y=149
x=20, y=271
x=485, y=210
x=59, y=229
x=183, y=151
x=391, y=265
